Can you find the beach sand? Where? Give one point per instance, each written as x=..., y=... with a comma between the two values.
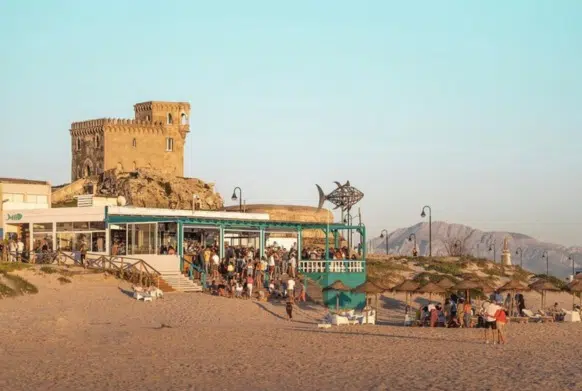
x=91, y=335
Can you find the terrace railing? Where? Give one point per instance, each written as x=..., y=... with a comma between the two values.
x=332, y=266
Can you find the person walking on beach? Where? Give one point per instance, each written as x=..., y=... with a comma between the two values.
x=501, y=321
x=489, y=313
x=289, y=308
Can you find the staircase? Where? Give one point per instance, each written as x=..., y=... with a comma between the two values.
x=176, y=281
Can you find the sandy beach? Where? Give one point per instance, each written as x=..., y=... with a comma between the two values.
x=91, y=335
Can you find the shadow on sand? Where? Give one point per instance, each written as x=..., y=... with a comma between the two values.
x=261, y=306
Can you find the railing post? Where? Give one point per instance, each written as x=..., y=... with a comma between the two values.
x=122, y=268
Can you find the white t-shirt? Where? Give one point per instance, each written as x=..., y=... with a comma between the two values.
x=431, y=307
x=293, y=262
x=20, y=246
x=215, y=259
x=271, y=261
x=490, y=312
x=290, y=285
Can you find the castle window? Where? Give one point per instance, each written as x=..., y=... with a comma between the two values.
x=134, y=166
x=134, y=143
x=97, y=141
x=147, y=117
x=170, y=120
x=184, y=119
x=169, y=144
x=78, y=144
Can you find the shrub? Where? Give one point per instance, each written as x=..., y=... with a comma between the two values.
x=64, y=280
x=12, y=266
x=20, y=285
x=449, y=268
x=6, y=291
x=554, y=280
x=49, y=270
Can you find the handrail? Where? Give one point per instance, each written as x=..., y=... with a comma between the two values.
x=192, y=266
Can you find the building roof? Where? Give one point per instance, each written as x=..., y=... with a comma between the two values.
x=23, y=181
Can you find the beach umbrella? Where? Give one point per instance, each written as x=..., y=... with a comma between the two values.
x=369, y=288
x=431, y=288
x=575, y=287
x=467, y=285
x=513, y=286
x=542, y=286
x=407, y=286
x=446, y=283
x=338, y=287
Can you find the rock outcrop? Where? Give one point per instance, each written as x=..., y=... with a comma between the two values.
x=146, y=188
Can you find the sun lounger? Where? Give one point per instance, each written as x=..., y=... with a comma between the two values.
x=529, y=314
x=338, y=320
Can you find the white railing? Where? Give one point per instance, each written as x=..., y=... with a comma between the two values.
x=339, y=266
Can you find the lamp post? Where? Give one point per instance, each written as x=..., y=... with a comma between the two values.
x=422, y=214
x=413, y=235
x=384, y=234
x=545, y=255
x=458, y=245
x=571, y=258
x=234, y=198
x=493, y=247
x=519, y=252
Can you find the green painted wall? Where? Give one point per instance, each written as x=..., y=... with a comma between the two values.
x=347, y=300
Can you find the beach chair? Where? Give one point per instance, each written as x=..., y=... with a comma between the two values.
x=571, y=316
x=545, y=317
x=338, y=320
x=530, y=315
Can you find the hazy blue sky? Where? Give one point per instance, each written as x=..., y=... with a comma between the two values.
x=473, y=107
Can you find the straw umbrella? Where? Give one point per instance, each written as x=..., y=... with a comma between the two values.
x=338, y=287
x=467, y=285
x=408, y=286
x=575, y=287
x=543, y=286
x=431, y=288
x=513, y=286
x=446, y=283
x=369, y=288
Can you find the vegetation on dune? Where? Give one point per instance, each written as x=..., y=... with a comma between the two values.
x=424, y=278
x=19, y=284
x=554, y=280
x=6, y=291
x=6, y=267
x=64, y=280
x=12, y=285
x=49, y=269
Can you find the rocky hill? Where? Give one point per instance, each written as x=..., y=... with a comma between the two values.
x=143, y=188
x=457, y=239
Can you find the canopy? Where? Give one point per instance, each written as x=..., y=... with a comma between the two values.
x=514, y=285
x=407, y=286
x=446, y=283
x=473, y=284
x=543, y=285
x=338, y=286
x=575, y=286
x=368, y=287
x=431, y=287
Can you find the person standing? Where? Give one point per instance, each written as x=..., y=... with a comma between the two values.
x=501, y=321
x=291, y=287
x=19, y=249
x=292, y=265
x=489, y=313
x=289, y=308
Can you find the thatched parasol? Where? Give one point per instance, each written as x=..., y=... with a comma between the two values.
x=369, y=288
x=431, y=288
x=467, y=285
x=575, y=287
x=407, y=286
x=446, y=283
x=338, y=286
x=513, y=286
x=542, y=286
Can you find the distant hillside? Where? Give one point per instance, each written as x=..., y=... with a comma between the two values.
x=454, y=239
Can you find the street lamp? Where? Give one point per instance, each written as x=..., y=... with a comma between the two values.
x=571, y=258
x=458, y=245
x=413, y=235
x=384, y=234
x=493, y=247
x=545, y=255
x=422, y=214
x=234, y=198
x=519, y=252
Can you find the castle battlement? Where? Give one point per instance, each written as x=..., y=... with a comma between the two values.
x=113, y=121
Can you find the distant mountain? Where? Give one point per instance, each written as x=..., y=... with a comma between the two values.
x=454, y=239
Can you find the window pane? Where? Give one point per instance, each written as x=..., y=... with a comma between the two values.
x=81, y=226
x=31, y=199
x=167, y=238
x=41, y=199
x=65, y=241
x=64, y=227
x=14, y=197
x=42, y=242
x=42, y=227
x=143, y=239
x=98, y=242
x=82, y=240
x=97, y=225
x=118, y=237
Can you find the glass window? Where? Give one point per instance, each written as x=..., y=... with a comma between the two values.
x=167, y=238
x=41, y=199
x=65, y=241
x=14, y=197
x=98, y=242
x=118, y=237
x=143, y=239
x=81, y=226
x=42, y=227
x=64, y=227
x=31, y=198
x=97, y=225
x=42, y=242
x=82, y=240
x=169, y=144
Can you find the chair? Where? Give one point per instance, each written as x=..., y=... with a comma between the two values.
x=338, y=320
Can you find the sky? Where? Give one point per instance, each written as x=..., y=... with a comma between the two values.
x=471, y=107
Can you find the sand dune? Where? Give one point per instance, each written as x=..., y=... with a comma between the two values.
x=90, y=335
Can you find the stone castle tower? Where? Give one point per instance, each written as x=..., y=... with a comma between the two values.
x=155, y=138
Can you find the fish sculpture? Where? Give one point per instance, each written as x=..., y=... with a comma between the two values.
x=344, y=196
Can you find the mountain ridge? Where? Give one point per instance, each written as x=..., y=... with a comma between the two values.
x=456, y=239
